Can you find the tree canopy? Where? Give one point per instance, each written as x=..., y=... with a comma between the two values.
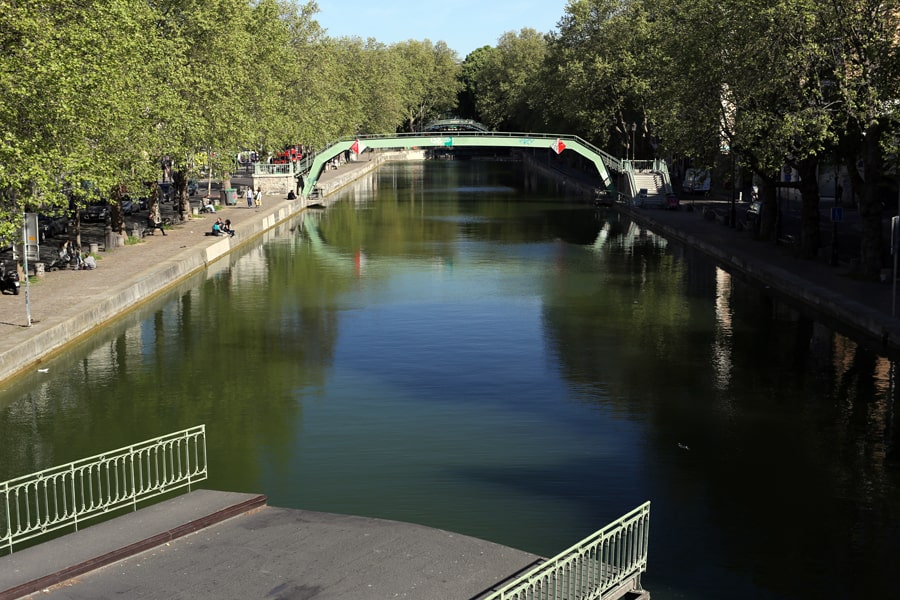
x=97, y=93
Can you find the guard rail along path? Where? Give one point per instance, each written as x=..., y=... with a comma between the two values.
x=607, y=564
x=65, y=495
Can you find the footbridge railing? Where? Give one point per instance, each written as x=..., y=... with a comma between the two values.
x=67, y=495
x=604, y=565
x=557, y=142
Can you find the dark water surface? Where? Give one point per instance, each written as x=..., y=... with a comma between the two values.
x=441, y=348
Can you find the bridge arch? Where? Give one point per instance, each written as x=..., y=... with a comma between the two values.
x=603, y=161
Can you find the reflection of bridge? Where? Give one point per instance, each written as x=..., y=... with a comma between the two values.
x=312, y=170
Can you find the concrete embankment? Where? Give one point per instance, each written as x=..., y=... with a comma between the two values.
x=66, y=306
x=864, y=310
x=859, y=308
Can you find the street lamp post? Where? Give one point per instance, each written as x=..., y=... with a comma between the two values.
x=895, y=249
x=25, y=269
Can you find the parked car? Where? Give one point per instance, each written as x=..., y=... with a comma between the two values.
x=50, y=226
x=96, y=212
x=166, y=192
x=128, y=205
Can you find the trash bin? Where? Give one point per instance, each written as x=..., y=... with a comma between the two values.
x=230, y=197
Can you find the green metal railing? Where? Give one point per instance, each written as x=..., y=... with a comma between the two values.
x=261, y=168
x=597, y=567
x=64, y=496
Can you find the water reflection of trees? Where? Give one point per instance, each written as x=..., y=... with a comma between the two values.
x=800, y=438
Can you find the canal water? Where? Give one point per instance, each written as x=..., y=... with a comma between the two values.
x=441, y=347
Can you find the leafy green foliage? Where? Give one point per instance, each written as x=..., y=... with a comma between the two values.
x=97, y=93
x=507, y=81
x=430, y=80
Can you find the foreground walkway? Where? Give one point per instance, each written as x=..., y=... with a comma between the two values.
x=218, y=545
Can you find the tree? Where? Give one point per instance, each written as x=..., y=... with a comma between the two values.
x=470, y=71
x=77, y=74
x=751, y=84
x=506, y=81
x=865, y=50
x=595, y=79
x=430, y=83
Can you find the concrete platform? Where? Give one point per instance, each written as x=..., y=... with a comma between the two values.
x=216, y=545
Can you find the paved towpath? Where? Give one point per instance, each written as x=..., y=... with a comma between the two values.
x=67, y=305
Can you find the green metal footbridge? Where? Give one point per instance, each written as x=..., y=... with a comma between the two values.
x=312, y=168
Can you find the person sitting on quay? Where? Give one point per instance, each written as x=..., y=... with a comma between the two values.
x=291, y=195
x=216, y=228
x=226, y=228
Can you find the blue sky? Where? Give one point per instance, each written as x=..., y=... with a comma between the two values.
x=464, y=24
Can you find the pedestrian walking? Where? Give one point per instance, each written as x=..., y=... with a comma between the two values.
x=257, y=199
x=154, y=223
x=249, y=196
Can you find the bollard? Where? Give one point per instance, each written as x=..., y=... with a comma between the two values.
x=95, y=248
x=38, y=269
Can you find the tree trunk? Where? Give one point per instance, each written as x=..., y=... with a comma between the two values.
x=870, y=212
x=116, y=215
x=810, y=236
x=865, y=188
x=768, y=215
x=115, y=233
x=182, y=202
x=154, y=215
